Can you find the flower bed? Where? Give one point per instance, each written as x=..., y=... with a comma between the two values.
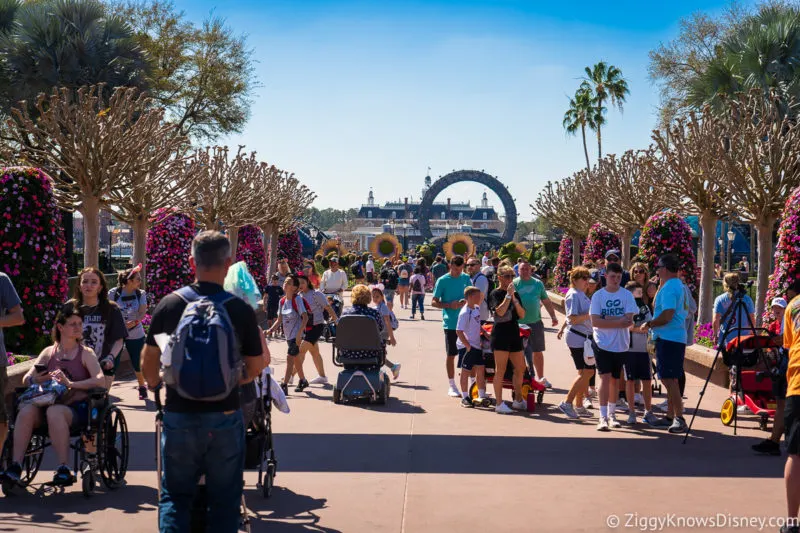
x=787, y=252
x=32, y=251
x=599, y=241
x=703, y=335
x=564, y=261
x=664, y=233
x=16, y=359
x=251, y=251
x=169, y=244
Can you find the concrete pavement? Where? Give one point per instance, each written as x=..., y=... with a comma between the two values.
x=424, y=464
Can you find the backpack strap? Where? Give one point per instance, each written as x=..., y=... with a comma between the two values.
x=187, y=294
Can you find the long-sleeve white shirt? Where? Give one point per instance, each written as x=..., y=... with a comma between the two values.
x=333, y=281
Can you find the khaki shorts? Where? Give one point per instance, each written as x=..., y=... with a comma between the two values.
x=3, y=381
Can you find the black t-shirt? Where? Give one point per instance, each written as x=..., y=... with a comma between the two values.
x=509, y=322
x=100, y=329
x=274, y=293
x=165, y=320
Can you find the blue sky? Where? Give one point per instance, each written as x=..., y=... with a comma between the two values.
x=369, y=94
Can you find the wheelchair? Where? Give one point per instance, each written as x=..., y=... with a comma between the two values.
x=361, y=378
x=106, y=429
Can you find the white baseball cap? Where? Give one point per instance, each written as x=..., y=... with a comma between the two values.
x=779, y=301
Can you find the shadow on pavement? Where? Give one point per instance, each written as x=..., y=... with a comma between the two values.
x=48, y=512
x=286, y=512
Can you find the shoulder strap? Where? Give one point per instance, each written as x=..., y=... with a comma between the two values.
x=117, y=293
x=221, y=297
x=187, y=294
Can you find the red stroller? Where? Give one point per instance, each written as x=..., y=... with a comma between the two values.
x=532, y=390
x=755, y=386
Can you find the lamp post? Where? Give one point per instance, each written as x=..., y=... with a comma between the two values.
x=730, y=236
x=721, y=251
x=110, y=228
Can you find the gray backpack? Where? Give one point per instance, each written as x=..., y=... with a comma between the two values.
x=202, y=360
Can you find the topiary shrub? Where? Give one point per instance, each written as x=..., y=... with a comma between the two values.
x=787, y=252
x=664, y=233
x=564, y=261
x=32, y=253
x=169, y=245
x=600, y=240
x=251, y=250
x=289, y=247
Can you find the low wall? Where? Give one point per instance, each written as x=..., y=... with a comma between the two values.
x=698, y=358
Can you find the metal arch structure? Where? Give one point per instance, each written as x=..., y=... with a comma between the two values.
x=426, y=206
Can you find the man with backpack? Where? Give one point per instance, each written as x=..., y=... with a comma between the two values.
x=206, y=358
x=390, y=279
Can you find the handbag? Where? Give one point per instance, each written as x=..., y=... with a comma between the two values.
x=43, y=394
x=588, y=347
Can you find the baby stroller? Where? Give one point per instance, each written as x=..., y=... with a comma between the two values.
x=532, y=390
x=359, y=350
x=198, y=511
x=260, y=453
x=752, y=388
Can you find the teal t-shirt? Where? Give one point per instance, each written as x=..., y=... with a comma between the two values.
x=531, y=292
x=449, y=289
x=671, y=296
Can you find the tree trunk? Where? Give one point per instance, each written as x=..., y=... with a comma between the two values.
x=585, y=148
x=140, y=244
x=764, y=264
x=233, y=237
x=708, y=224
x=626, y=237
x=576, y=251
x=752, y=248
x=273, y=246
x=90, y=210
x=599, y=144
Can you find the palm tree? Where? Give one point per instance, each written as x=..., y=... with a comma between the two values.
x=608, y=84
x=763, y=53
x=581, y=113
x=64, y=43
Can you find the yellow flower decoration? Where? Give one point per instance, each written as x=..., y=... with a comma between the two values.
x=459, y=244
x=332, y=245
x=385, y=246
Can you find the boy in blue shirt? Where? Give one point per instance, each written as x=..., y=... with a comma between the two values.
x=448, y=295
x=669, y=332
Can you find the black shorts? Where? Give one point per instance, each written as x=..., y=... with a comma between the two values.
x=294, y=349
x=3, y=382
x=80, y=414
x=637, y=366
x=469, y=359
x=791, y=421
x=609, y=362
x=370, y=277
x=577, y=358
x=272, y=314
x=450, y=338
x=536, y=339
x=669, y=358
x=312, y=335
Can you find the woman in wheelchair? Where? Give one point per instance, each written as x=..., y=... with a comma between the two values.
x=74, y=366
x=361, y=297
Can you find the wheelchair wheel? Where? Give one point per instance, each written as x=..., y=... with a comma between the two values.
x=727, y=412
x=87, y=480
x=31, y=463
x=112, y=447
x=337, y=396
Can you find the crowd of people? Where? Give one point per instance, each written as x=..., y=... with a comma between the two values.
x=617, y=321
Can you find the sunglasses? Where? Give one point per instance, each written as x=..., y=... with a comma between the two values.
x=639, y=271
x=507, y=276
x=472, y=264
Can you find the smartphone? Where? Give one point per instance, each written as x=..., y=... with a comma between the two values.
x=40, y=368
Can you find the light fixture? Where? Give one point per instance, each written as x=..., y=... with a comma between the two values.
x=720, y=242
x=731, y=235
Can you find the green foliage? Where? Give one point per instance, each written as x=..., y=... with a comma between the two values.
x=427, y=250
x=328, y=217
x=509, y=251
x=65, y=43
x=551, y=247
x=202, y=75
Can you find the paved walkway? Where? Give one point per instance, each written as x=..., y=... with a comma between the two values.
x=424, y=464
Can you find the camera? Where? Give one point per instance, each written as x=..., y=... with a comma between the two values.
x=743, y=287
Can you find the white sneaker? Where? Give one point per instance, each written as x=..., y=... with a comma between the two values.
x=602, y=425
x=663, y=406
x=613, y=422
x=546, y=383
x=592, y=392
x=319, y=380
x=638, y=399
x=521, y=405
x=743, y=409
x=503, y=409
x=396, y=371
x=632, y=419
x=568, y=410
x=453, y=392
x=587, y=403
x=622, y=406
x=583, y=412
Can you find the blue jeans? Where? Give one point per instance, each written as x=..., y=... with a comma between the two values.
x=417, y=300
x=193, y=444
